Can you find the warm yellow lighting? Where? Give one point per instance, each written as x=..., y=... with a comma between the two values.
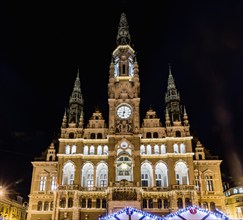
x=124, y=166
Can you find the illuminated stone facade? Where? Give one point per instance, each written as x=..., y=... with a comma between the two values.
x=100, y=169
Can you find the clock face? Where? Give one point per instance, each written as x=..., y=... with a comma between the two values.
x=124, y=111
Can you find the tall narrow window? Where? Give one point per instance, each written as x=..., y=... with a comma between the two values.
x=42, y=183
x=53, y=183
x=209, y=183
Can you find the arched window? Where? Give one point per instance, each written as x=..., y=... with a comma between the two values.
x=149, y=151
x=151, y=205
x=102, y=175
x=39, y=206
x=103, y=203
x=156, y=149
x=155, y=135
x=46, y=206
x=142, y=149
x=178, y=134
x=188, y=202
x=175, y=148
x=182, y=148
x=98, y=203
x=92, y=136
x=146, y=175
x=209, y=183
x=67, y=149
x=99, y=136
x=205, y=205
x=105, y=150
x=179, y=203
x=88, y=175
x=159, y=203
x=43, y=183
x=99, y=150
x=212, y=206
x=51, y=206
x=92, y=150
x=70, y=202
x=89, y=203
x=71, y=135
x=74, y=148
x=181, y=172
x=124, y=168
x=83, y=203
x=145, y=203
x=62, y=203
x=163, y=149
x=161, y=173
x=166, y=203
x=86, y=150
x=53, y=183
x=148, y=135
x=68, y=174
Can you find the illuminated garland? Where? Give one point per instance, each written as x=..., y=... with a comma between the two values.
x=192, y=209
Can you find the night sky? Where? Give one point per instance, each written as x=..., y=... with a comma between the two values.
x=43, y=43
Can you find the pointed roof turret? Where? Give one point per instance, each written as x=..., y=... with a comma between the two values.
x=75, y=102
x=172, y=99
x=123, y=36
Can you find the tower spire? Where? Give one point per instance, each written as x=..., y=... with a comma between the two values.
x=172, y=99
x=76, y=102
x=123, y=36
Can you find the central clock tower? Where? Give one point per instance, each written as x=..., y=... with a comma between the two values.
x=124, y=85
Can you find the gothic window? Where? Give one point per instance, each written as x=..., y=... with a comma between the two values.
x=159, y=203
x=70, y=202
x=148, y=135
x=175, y=148
x=179, y=203
x=181, y=173
x=68, y=174
x=150, y=203
x=53, y=183
x=39, y=206
x=146, y=175
x=209, y=183
x=67, y=150
x=212, y=206
x=142, y=149
x=62, y=203
x=166, y=204
x=92, y=150
x=188, y=202
x=89, y=203
x=102, y=175
x=103, y=203
x=163, y=149
x=83, y=203
x=99, y=150
x=155, y=135
x=97, y=203
x=46, y=206
x=197, y=182
x=99, y=136
x=105, y=150
x=86, y=150
x=51, y=206
x=161, y=172
x=145, y=203
x=43, y=183
x=74, y=148
x=92, y=136
x=149, y=151
x=156, y=149
x=205, y=205
x=88, y=175
x=182, y=148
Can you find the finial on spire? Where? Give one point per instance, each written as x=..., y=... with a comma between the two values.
x=123, y=37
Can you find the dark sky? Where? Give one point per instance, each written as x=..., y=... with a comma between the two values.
x=43, y=43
